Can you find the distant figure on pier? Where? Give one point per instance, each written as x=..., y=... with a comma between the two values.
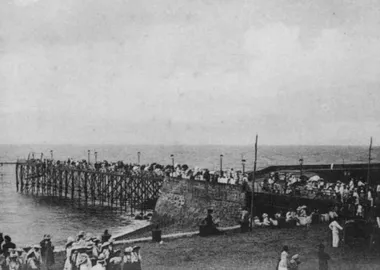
x=106, y=236
x=47, y=252
x=140, y=216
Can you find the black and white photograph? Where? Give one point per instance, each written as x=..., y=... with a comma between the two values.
x=189, y=134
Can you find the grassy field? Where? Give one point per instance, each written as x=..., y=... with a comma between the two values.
x=257, y=250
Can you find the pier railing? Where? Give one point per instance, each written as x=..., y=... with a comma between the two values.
x=126, y=192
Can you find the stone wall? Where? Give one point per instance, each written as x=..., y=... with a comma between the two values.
x=185, y=203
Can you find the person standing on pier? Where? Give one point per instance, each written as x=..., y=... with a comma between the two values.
x=335, y=227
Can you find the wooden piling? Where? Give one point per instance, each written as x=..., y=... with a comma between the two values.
x=125, y=192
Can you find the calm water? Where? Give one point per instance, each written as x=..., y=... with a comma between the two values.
x=26, y=218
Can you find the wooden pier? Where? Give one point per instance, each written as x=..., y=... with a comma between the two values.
x=126, y=192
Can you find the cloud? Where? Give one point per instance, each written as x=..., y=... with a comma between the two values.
x=24, y=3
x=188, y=72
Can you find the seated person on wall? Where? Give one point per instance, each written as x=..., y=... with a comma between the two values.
x=208, y=224
x=266, y=221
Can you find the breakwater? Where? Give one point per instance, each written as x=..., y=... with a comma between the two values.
x=185, y=203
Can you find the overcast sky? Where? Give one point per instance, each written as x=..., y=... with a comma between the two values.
x=188, y=71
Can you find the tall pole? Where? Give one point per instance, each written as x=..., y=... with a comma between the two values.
x=172, y=156
x=369, y=163
x=88, y=156
x=138, y=158
x=243, y=163
x=221, y=165
x=96, y=157
x=253, y=181
x=301, y=167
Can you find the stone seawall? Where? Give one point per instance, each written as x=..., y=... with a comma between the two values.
x=185, y=203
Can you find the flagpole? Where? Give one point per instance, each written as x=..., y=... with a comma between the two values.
x=369, y=163
x=253, y=182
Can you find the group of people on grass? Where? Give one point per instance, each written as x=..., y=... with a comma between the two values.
x=28, y=258
x=84, y=252
x=291, y=263
x=87, y=252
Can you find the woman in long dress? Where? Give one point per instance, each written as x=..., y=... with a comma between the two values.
x=69, y=247
x=284, y=261
x=335, y=227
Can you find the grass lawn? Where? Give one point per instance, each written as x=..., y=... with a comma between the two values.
x=258, y=250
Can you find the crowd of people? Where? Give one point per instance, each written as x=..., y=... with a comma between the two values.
x=356, y=196
x=89, y=252
x=84, y=252
x=181, y=171
x=28, y=258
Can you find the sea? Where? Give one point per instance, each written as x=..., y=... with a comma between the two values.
x=26, y=218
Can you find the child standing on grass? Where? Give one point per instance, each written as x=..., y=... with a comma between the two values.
x=284, y=261
x=323, y=258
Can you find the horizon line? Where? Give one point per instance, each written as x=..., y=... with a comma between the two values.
x=176, y=144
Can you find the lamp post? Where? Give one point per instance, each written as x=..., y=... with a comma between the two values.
x=172, y=157
x=243, y=163
x=301, y=168
x=221, y=165
x=88, y=156
x=96, y=157
x=138, y=157
x=51, y=154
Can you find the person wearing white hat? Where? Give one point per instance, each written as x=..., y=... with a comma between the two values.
x=266, y=221
x=136, y=258
x=83, y=262
x=80, y=238
x=294, y=262
x=47, y=251
x=12, y=261
x=100, y=263
x=33, y=258
x=127, y=258
x=68, y=248
x=21, y=255
x=107, y=250
x=97, y=248
x=256, y=221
